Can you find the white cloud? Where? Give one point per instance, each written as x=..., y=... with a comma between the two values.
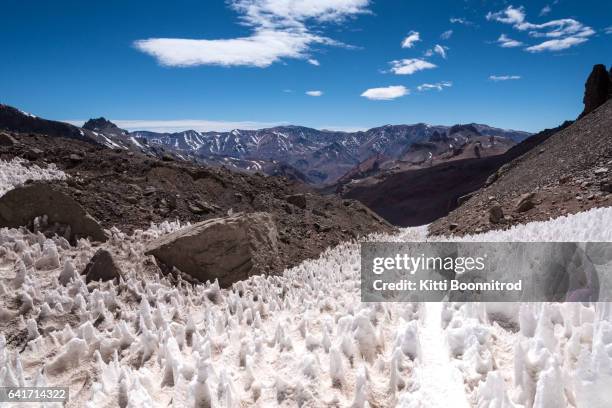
x=510, y=15
x=410, y=66
x=608, y=30
x=279, y=31
x=260, y=50
x=565, y=33
x=498, y=78
x=463, y=21
x=438, y=85
x=437, y=49
x=314, y=93
x=506, y=42
x=168, y=126
x=557, y=45
x=386, y=93
x=296, y=12
x=440, y=50
x=446, y=35
x=411, y=39
x=314, y=62
x=545, y=10
x=558, y=28
x=348, y=128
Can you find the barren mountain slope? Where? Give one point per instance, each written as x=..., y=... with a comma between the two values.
x=568, y=173
x=131, y=190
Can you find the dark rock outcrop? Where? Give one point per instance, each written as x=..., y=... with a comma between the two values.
x=101, y=267
x=299, y=200
x=20, y=206
x=228, y=249
x=496, y=214
x=99, y=124
x=597, y=89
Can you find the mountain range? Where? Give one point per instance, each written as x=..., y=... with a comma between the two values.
x=323, y=156
x=316, y=157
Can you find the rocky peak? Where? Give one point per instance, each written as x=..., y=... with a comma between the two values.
x=99, y=124
x=597, y=88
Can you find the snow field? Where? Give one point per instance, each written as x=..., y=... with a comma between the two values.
x=300, y=339
x=17, y=171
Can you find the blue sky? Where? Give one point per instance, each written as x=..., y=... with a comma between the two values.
x=323, y=63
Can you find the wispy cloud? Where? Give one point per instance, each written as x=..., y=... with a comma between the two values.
x=280, y=30
x=460, y=20
x=510, y=15
x=506, y=42
x=608, y=30
x=545, y=10
x=386, y=93
x=446, y=35
x=437, y=49
x=412, y=38
x=438, y=85
x=562, y=33
x=314, y=93
x=499, y=78
x=557, y=45
x=410, y=66
x=201, y=125
x=314, y=62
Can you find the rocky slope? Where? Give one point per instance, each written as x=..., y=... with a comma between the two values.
x=456, y=143
x=14, y=120
x=410, y=194
x=130, y=190
x=568, y=173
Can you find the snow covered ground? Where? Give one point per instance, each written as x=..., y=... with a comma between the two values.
x=17, y=171
x=301, y=339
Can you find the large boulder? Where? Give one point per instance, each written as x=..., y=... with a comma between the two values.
x=525, y=202
x=21, y=205
x=597, y=89
x=7, y=140
x=229, y=249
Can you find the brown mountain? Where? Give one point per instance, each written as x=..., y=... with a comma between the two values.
x=569, y=172
x=419, y=193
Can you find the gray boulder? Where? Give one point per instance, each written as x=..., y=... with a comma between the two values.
x=229, y=248
x=7, y=140
x=525, y=202
x=21, y=205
